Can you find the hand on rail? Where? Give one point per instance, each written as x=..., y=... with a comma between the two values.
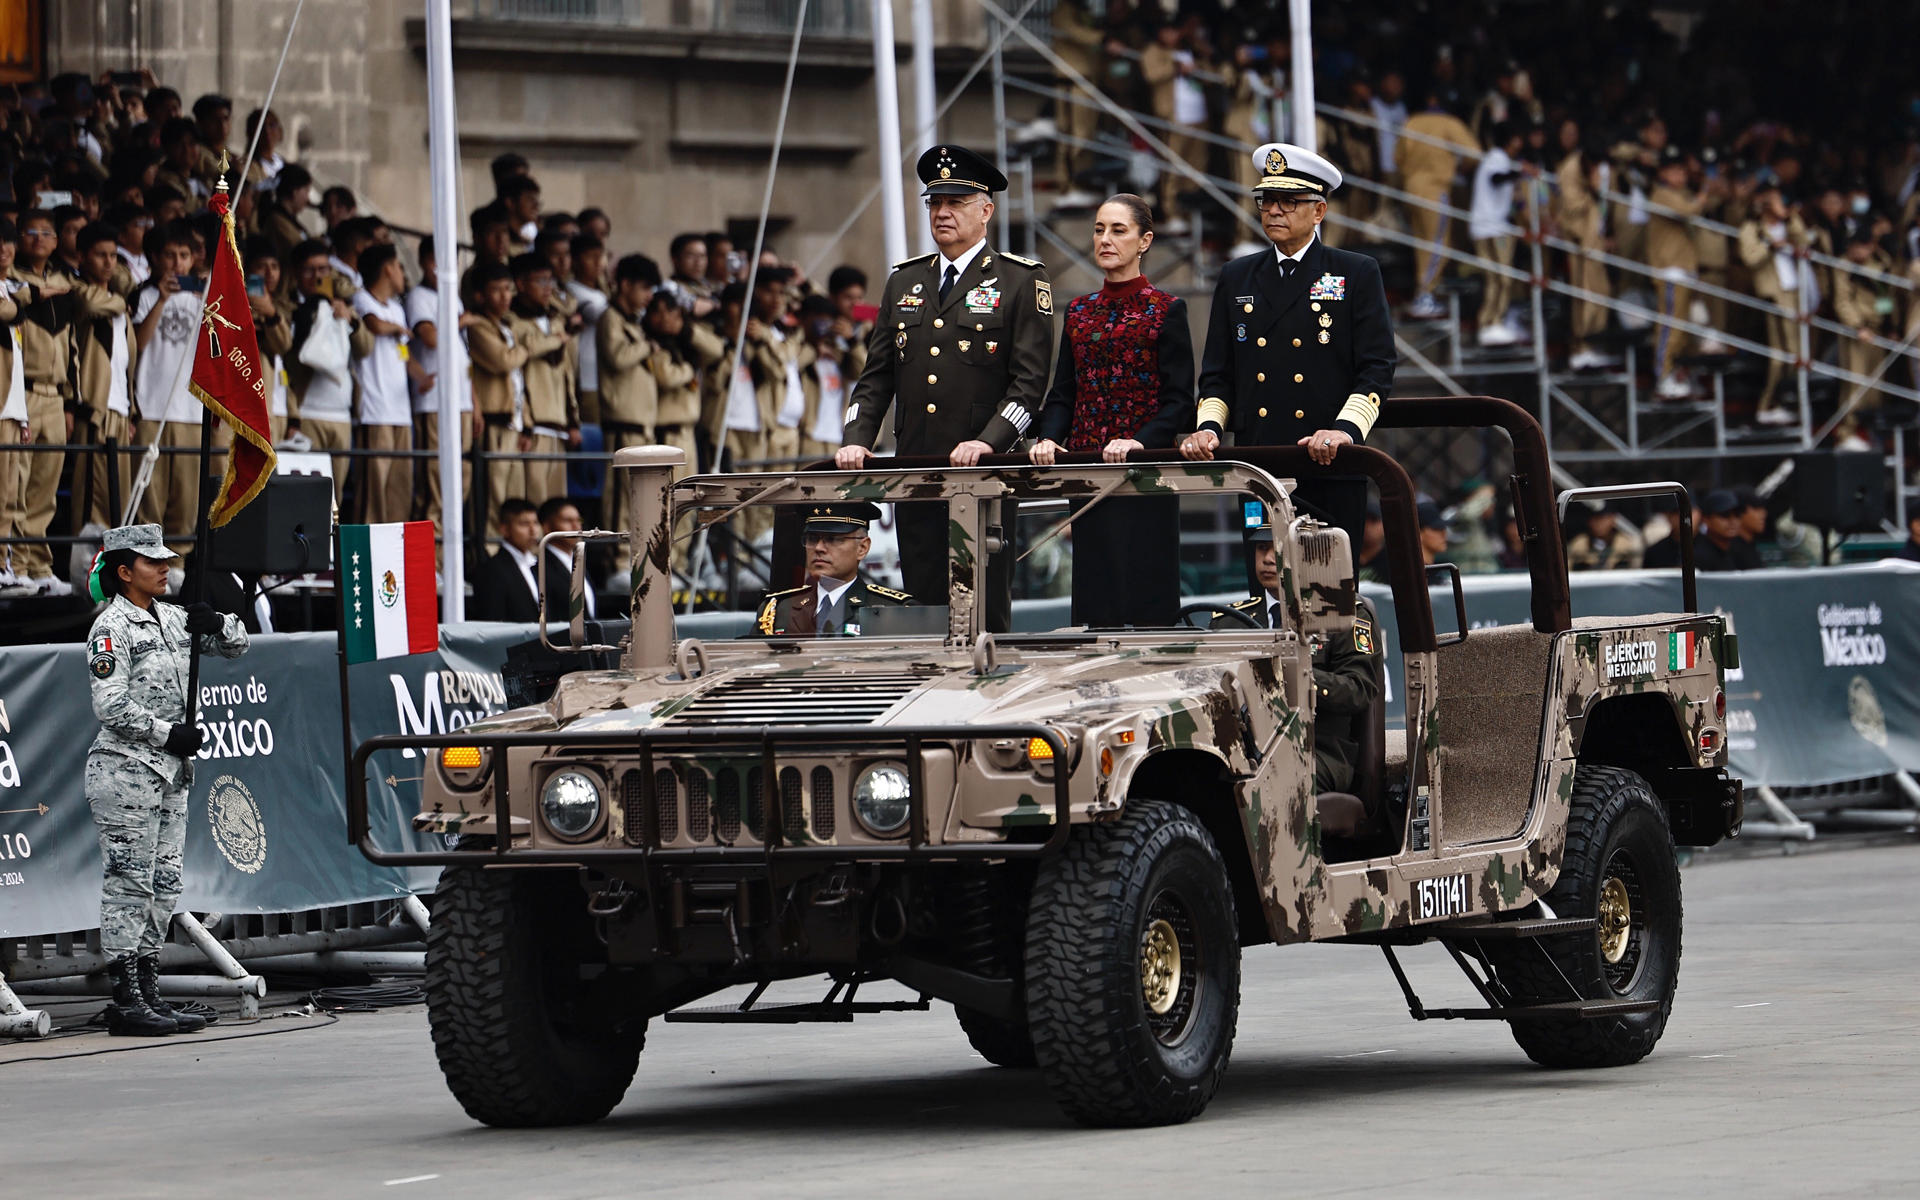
x=1200, y=445
x=1118, y=449
x=1323, y=444
x=1043, y=452
x=967, y=454
x=851, y=458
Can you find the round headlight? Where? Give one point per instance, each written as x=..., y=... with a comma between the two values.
x=882, y=798
x=570, y=803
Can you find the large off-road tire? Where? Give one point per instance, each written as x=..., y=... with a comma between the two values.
x=1133, y=969
x=1619, y=867
x=1002, y=1043
x=506, y=1004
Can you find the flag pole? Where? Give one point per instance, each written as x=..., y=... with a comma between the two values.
x=202, y=526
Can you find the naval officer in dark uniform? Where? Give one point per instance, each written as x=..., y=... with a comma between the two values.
x=1299, y=341
x=964, y=342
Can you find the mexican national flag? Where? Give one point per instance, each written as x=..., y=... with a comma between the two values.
x=386, y=573
x=1683, y=650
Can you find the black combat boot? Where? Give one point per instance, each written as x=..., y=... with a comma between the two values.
x=128, y=1015
x=147, y=971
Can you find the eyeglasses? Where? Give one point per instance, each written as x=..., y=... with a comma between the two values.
x=933, y=202
x=827, y=539
x=1284, y=205
x=38, y=233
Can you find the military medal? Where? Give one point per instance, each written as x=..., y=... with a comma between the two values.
x=911, y=302
x=965, y=345
x=900, y=340
x=1326, y=320
x=1239, y=333
x=918, y=288
x=1325, y=337
x=992, y=346
x=983, y=299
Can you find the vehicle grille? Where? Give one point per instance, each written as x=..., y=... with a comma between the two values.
x=632, y=802
x=699, y=815
x=804, y=700
x=726, y=808
x=793, y=820
x=666, y=796
x=822, y=803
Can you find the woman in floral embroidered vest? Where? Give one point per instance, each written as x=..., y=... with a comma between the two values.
x=1123, y=382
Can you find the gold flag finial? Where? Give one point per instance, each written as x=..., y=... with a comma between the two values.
x=221, y=185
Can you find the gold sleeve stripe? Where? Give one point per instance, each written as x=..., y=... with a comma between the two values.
x=1214, y=409
x=1363, y=409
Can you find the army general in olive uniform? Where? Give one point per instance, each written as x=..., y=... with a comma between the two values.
x=964, y=343
x=138, y=770
x=835, y=599
x=1299, y=341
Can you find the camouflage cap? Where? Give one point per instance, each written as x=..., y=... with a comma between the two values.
x=144, y=540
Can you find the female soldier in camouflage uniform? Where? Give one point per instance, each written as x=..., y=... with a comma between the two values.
x=137, y=770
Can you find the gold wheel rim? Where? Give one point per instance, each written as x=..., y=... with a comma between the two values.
x=1615, y=919
x=1160, y=966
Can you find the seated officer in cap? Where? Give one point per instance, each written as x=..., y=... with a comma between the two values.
x=1299, y=342
x=964, y=343
x=830, y=602
x=1346, y=669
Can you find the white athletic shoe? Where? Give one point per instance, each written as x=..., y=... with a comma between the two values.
x=1674, y=387
x=1498, y=335
x=1426, y=308
x=47, y=585
x=1589, y=360
x=1774, y=416
x=295, y=442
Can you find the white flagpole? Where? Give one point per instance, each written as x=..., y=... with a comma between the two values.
x=925, y=117
x=443, y=147
x=886, y=100
x=1305, y=128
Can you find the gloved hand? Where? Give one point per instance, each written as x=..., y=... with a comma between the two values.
x=184, y=741
x=202, y=620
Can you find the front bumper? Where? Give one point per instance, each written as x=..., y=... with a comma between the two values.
x=765, y=743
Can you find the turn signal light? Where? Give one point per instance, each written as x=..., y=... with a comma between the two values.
x=1709, y=740
x=1039, y=750
x=1720, y=705
x=460, y=758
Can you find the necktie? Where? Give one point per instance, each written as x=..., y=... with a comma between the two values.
x=830, y=620
x=1286, y=267
x=947, y=281
x=1272, y=613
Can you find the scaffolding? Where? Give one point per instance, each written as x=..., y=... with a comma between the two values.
x=1606, y=417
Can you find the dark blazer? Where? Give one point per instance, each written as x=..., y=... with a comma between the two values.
x=559, y=572
x=1289, y=356
x=500, y=593
x=971, y=367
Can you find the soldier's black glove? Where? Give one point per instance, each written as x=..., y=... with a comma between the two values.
x=184, y=741
x=202, y=620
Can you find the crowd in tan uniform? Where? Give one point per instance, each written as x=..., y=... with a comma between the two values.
x=106, y=249
x=1627, y=133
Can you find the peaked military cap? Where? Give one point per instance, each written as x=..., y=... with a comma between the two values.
x=958, y=171
x=1259, y=525
x=836, y=519
x=1295, y=170
x=144, y=540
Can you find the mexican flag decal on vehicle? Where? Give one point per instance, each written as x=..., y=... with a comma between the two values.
x=392, y=608
x=1683, y=649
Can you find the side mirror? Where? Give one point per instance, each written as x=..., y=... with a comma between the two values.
x=576, y=589
x=1329, y=593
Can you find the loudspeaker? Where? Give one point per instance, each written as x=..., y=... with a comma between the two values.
x=286, y=530
x=1840, y=491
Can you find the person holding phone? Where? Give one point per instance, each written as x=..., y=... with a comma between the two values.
x=166, y=320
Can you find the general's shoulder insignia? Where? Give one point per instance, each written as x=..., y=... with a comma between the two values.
x=907, y=262
x=1025, y=262
x=887, y=593
x=1247, y=605
x=1363, y=635
x=1043, y=296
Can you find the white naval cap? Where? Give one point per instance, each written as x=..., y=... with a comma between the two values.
x=1287, y=168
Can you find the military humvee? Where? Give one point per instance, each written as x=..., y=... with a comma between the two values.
x=1069, y=836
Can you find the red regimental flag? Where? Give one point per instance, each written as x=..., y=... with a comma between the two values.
x=230, y=378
